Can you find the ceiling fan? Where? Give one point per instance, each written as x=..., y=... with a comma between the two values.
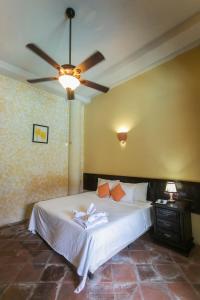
x=69, y=75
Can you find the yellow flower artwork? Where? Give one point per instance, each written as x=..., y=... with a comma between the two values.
x=40, y=133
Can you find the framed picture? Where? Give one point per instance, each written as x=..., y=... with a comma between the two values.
x=40, y=134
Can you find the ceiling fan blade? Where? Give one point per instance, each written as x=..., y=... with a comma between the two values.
x=42, y=79
x=94, y=85
x=43, y=55
x=90, y=62
x=70, y=94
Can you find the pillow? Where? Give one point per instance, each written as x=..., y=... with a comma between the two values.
x=117, y=193
x=138, y=190
x=111, y=183
x=129, y=191
x=103, y=190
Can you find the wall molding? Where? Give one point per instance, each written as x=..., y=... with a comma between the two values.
x=165, y=47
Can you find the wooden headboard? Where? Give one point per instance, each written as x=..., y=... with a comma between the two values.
x=186, y=189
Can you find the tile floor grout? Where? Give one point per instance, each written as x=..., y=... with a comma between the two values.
x=145, y=268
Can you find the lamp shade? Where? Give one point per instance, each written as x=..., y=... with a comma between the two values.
x=69, y=81
x=170, y=187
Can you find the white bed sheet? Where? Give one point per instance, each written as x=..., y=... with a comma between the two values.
x=88, y=249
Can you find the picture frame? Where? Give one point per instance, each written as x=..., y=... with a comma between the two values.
x=40, y=134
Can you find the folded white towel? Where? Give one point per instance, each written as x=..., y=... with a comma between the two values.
x=96, y=216
x=87, y=224
x=79, y=214
x=90, y=218
x=91, y=209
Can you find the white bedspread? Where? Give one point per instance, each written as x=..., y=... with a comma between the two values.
x=88, y=249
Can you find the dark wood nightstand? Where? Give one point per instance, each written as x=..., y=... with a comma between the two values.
x=172, y=225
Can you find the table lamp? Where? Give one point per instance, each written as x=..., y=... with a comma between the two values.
x=171, y=189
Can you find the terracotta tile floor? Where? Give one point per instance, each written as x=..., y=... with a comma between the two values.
x=30, y=270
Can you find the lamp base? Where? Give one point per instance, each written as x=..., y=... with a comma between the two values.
x=171, y=200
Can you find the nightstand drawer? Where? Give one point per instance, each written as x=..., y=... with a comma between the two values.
x=172, y=224
x=164, y=213
x=168, y=235
x=168, y=225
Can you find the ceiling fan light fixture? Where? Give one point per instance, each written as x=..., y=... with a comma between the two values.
x=69, y=75
x=69, y=81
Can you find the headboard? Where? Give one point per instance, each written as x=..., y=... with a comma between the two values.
x=186, y=189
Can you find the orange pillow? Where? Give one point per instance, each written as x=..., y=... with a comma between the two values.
x=103, y=190
x=117, y=192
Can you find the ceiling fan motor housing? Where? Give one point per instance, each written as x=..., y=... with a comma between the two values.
x=70, y=12
x=70, y=70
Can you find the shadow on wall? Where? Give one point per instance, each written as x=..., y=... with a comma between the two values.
x=28, y=211
x=44, y=188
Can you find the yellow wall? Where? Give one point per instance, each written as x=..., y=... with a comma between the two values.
x=161, y=109
x=30, y=172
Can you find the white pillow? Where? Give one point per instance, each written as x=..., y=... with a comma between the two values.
x=138, y=190
x=129, y=191
x=111, y=183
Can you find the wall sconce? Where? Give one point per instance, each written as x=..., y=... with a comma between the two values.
x=122, y=137
x=171, y=189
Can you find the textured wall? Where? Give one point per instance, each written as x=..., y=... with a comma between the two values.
x=161, y=110
x=30, y=172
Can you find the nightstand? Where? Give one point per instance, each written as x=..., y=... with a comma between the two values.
x=172, y=225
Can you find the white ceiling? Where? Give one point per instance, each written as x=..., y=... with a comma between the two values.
x=133, y=35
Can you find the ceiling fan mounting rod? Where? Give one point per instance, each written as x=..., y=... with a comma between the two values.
x=70, y=13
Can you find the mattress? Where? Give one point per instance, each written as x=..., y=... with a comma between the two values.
x=89, y=249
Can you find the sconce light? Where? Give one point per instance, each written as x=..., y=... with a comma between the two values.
x=171, y=189
x=122, y=137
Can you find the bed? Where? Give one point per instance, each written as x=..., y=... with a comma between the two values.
x=89, y=249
